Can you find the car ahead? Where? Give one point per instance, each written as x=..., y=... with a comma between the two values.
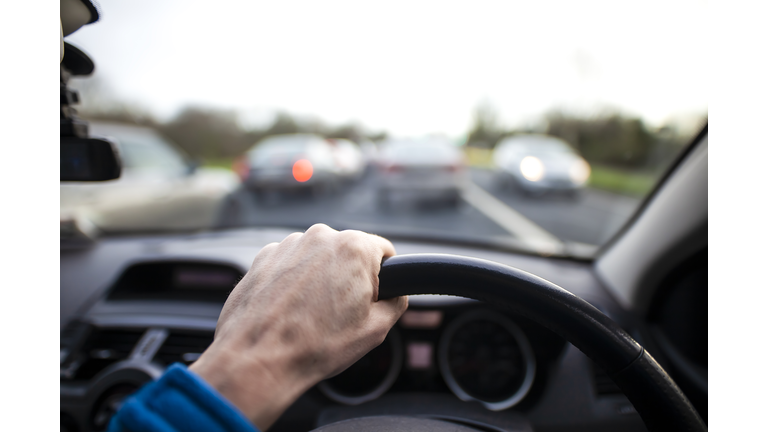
x=290, y=162
x=159, y=189
x=537, y=164
x=349, y=158
x=420, y=169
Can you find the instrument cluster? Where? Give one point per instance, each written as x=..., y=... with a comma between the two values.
x=477, y=353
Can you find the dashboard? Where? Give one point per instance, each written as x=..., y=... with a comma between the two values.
x=135, y=305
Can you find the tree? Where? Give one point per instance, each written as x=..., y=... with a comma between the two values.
x=205, y=133
x=610, y=139
x=485, y=132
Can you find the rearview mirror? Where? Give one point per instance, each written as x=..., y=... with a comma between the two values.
x=88, y=159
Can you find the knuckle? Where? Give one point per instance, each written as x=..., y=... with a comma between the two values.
x=352, y=244
x=292, y=237
x=318, y=228
x=266, y=250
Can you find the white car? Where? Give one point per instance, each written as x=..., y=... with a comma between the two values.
x=537, y=164
x=159, y=189
x=291, y=162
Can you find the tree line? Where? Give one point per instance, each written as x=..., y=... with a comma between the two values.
x=611, y=138
x=208, y=133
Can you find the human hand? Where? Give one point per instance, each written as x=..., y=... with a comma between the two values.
x=306, y=310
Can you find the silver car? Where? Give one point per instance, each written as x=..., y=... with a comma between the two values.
x=425, y=169
x=290, y=162
x=158, y=188
x=537, y=164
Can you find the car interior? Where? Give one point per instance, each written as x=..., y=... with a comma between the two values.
x=163, y=295
x=497, y=337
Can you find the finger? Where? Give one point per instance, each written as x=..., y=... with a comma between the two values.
x=382, y=248
x=383, y=245
x=390, y=310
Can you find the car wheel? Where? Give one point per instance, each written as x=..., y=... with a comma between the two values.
x=574, y=195
x=257, y=195
x=503, y=183
x=454, y=199
x=320, y=190
x=384, y=199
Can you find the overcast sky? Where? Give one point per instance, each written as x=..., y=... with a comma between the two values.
x=410, y=67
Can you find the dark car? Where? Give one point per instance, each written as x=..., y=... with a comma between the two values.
x=290, y=162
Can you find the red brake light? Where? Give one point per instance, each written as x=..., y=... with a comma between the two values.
x=302, y=170
x=241, y=167
x=454, y=168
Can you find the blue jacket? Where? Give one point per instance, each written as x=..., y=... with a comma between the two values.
x=179, y=401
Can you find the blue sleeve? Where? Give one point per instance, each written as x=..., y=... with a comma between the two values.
x=179, y=401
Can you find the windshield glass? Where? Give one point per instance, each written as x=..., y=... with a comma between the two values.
x=533, y=126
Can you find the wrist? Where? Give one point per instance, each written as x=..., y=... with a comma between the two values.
x=259, y=381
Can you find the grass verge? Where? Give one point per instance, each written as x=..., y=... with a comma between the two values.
x=225, y=163
x=621, y=181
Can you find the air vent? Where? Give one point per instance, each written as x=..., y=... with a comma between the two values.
x=71, y=337
x=176, y=281
x=183, y=347
x=604, y=384
x=102, y=348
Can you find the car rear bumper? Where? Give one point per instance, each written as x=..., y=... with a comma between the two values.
x=282, y=180
x=545, y=184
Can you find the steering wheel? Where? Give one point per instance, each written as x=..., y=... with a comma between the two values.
x=655, y=396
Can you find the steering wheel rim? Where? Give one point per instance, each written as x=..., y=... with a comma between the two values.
x=659, y=401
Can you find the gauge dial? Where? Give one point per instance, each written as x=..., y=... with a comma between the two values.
x=370, y=376
x=485, y=357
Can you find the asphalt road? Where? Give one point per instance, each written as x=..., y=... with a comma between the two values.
x=487, y=211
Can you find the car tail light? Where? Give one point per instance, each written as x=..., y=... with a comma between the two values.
x=302, y=170
x=241, y=167
x=454, y=168
x=394, y=168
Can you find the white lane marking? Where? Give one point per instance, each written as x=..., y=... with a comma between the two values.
x=509, y=219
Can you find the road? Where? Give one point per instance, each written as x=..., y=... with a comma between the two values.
x=487, y=212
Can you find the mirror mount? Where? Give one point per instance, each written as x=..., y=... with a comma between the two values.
x=82, y=158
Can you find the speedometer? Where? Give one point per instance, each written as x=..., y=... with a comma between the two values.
x=370, y=376
x=485, y=357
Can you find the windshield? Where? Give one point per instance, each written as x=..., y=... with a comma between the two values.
x=533, y=126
